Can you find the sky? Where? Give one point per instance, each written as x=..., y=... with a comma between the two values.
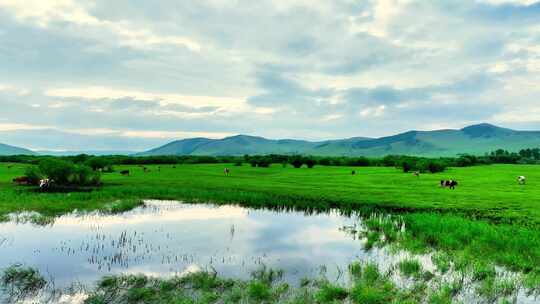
x=135, y=74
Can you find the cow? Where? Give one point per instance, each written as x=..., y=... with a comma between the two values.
x=124, y=172
x=416, y=173
x=22, y=180
x=522, y=180
x=353, y=172
x=449, y=183
x=45, y=184
x=226, y=171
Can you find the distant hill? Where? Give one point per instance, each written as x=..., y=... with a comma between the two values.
x=12, y=150
x=95, y=153
x=476, y=139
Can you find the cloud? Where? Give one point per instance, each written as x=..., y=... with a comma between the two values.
x=128, y=98
x=141, y=73
x=53, y=13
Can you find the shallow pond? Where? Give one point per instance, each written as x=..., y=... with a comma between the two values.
x=167, y=238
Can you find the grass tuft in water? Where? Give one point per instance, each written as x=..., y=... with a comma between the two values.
x=19, y=282
x=531, y=281
x=329, y=293
x=123, y=205
x=410, y=268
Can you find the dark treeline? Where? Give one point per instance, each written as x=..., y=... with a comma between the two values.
x=407, y=163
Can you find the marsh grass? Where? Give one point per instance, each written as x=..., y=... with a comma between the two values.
x=531, y=281
x=442, y=261
x=467, y=244
x=369, y=286
x=120, y=206
x=410, y=268
x=19, y=282
x=464, y=251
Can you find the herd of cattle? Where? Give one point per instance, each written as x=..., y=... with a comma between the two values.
x=45, y=184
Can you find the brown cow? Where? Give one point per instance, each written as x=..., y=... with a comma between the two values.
x=22, y=180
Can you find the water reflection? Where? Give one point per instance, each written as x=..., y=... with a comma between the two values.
x=168, y=238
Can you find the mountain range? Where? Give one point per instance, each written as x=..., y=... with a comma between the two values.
x=476, y=139
x=12, y=150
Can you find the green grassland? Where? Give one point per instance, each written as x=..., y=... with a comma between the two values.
x=488, y=220
x=489, y=192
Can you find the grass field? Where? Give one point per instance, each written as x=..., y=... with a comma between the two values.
x=488, y=220
x=489, y=192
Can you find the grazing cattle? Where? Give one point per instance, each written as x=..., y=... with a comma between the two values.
x=449, y=183
x=416, y=173
x=353, y=172
x=21, y=180
x=124, y=172
x=522, y=180
x=45, y=184
x=9, y=167
x=226, y=171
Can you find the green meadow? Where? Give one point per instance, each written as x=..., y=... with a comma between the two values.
x=487, y=192
x=488, y=220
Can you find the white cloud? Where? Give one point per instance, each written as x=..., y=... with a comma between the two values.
x=376, y=20
x=45, y=12
x=104, y=93
x=272, y=68
x=14, y=89
x=517, y=2
x=174, y=134
x=19, y=126
x=373, y=111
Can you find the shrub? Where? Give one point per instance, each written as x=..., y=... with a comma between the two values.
x=297, y=161
x=358, y=162
x=98, y=163
x=264, y=162
x=310, y=162
x=58, y=170
x=406, y=167
x=84, y=176
x=435, y=166
x=33, y=174
x=325, y=162
x=67, y=173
